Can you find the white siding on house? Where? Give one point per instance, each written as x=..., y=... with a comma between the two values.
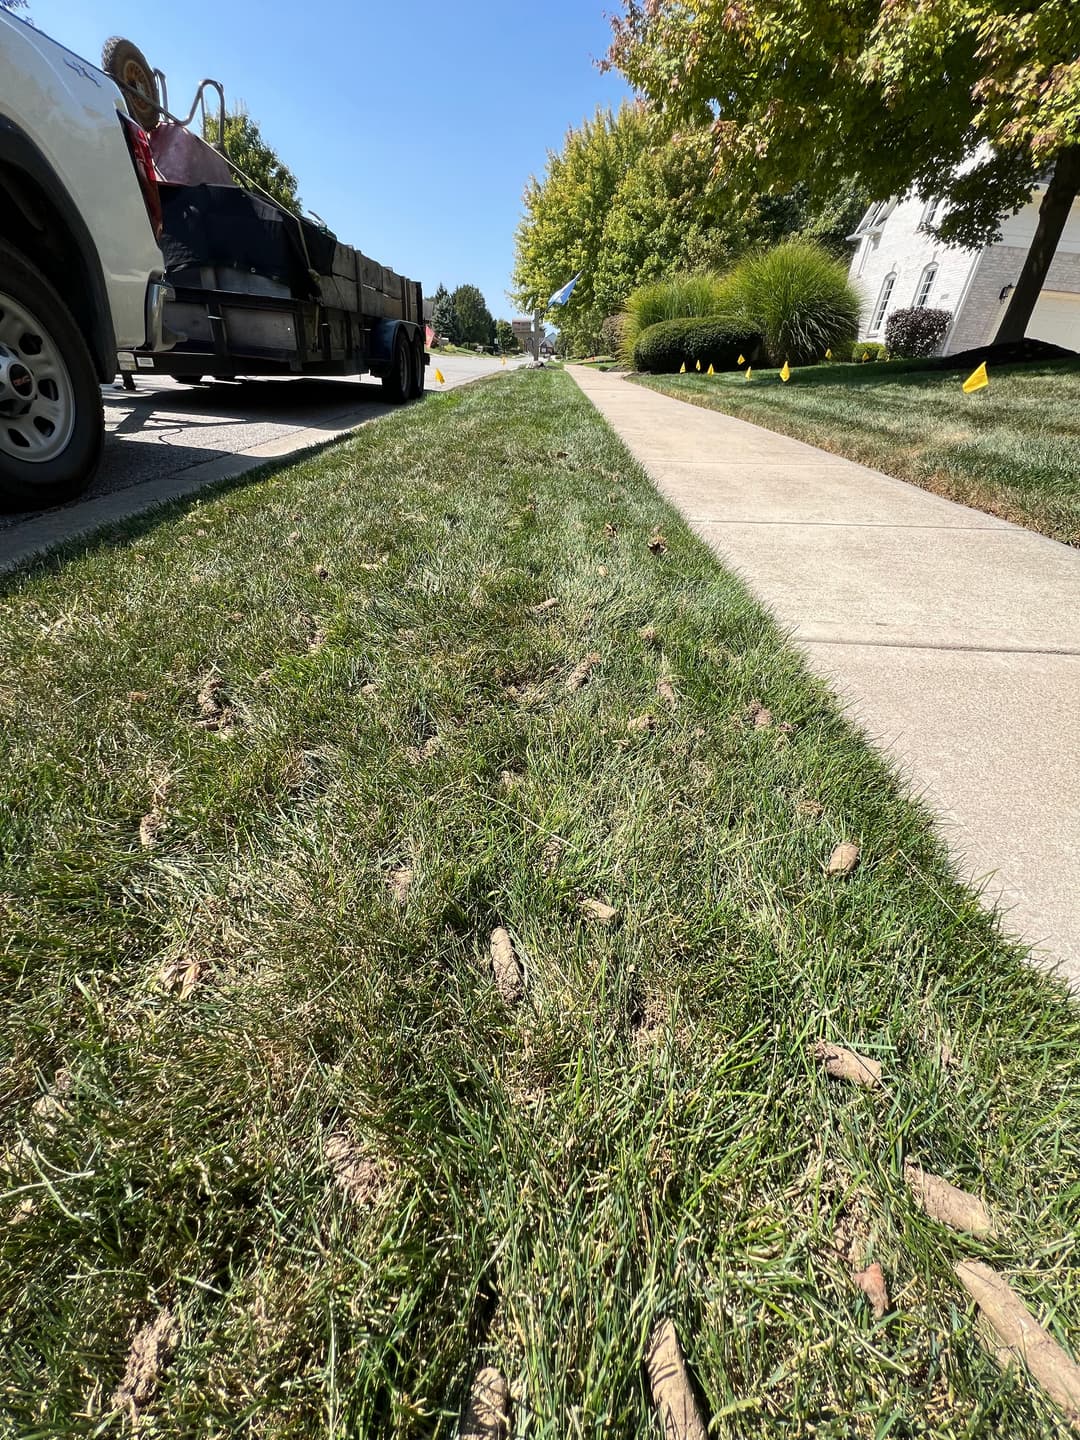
x=967, y=282
x=905, y=250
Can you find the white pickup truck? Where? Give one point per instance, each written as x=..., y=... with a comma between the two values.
x=81, y=273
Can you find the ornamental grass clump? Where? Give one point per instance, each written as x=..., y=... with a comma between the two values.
x=798, y=297
x=684, y=297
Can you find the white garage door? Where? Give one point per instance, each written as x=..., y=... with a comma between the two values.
x=1056, y=318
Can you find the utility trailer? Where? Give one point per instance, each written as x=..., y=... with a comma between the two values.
x=257, y=290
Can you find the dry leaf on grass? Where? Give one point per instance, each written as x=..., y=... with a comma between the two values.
x=602, y=570
x=759, y=715
x=138, y=697
x=843, y=859
x=945, y=1202
x=844, y=1064
x=360, y=1177
x=648, y=634
x=506, y=967
x=151, y=827
x=509, y=779
x=487, y=1414
x=580, y=673
x=293, y=537
x=399, y=882
x=812, y=808
x=1019, y=1336
x=599, y=911
x=371, y=688
x=545, y=606
x=551, y=854
x=871, y=1282
x=639, y=723
x=666, y=690
x=180, y=977
x=657, y=543
x=151, y=1350
x=672, y=1390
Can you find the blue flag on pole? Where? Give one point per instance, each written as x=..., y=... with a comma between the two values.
x=562, y=296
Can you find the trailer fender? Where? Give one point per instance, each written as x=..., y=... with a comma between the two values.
x=382, y=336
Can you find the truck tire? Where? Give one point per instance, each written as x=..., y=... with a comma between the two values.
x=419, y=370
x=397, y=383
x=131, y=70
x=52, y=430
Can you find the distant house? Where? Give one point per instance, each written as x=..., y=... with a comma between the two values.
x=547, y=345
x=897, y=263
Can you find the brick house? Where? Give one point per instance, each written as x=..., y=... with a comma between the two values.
x=897, y=263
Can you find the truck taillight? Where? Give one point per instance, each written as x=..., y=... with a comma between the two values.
x=142, y=157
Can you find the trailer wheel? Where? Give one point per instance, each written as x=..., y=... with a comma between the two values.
x=51, y=426
x=130, y=68
x=398, y=382
x=419, y=369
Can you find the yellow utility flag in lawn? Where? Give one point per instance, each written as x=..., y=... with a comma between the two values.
x=710, y=370
x=682, y=368
x=440, y=377
x=504, y=359
x=749, y=372
x=828, y=354
x=785, y=373
x=741, y=360
x=697, y=364
x=866, y=355
x=977, y=380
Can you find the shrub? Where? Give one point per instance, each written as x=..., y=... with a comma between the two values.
x=917, y=332
x=867, y=350
x=671, y=343
x=682, y=298
x=798, y=297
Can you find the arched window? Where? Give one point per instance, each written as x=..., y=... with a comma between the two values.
x=926, y=284
x=882, y=302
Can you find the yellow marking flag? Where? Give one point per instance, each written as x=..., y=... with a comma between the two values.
x=828, y=354
x=977, y=380
x=866, y=355
x=741, y=360
x=749, y=372
x=785, y=373
x=440, y=377
x=697, y=364
x=504, y=360
x=682, y=368
x=710, y=370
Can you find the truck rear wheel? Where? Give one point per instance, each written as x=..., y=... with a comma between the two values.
x=397, y=383
x=419, y=370
x=51, y=426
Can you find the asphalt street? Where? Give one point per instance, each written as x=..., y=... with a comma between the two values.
x=166, y=439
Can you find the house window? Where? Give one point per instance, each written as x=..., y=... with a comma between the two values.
x=926, y=284
x=930, y=214
x=882, y=302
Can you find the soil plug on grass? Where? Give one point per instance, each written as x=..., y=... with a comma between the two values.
x=546, y=606
x=666, y=690
x=672, y=1391
x=944, y=1202
x=551, y=854
x=399, y=882
x=150, y=1352
x=639, y=724
x=597, y=910
x=844, y=1064
x=657, y=543
x=580, y=673
x=648, y=634
x=356, y=1174
x=487, y=1415
x=871, y=1282
x=843, y=859
x=506, y=967
x=759, y=715
x=1022, y=1338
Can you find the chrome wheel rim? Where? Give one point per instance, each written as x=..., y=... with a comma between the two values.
x=37, y=398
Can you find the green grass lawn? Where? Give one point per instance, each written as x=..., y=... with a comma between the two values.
x=276, y=764
x=1012, y=449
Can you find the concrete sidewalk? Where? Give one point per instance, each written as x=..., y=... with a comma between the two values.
x=954, y=635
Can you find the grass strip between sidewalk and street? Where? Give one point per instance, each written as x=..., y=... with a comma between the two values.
x=277, y=763
x=1011, y=449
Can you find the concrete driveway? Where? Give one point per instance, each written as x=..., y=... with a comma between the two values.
x=168, y=439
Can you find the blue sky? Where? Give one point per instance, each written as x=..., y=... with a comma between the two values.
x=412, y=126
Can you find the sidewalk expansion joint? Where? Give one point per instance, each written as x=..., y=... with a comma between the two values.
x=1070, y=652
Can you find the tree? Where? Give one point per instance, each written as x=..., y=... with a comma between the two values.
x=13, y=4
x=443, y=318
x=247, y=150
x=505, y=338
x=969, y=101
x=475, y=325
x=629, y=200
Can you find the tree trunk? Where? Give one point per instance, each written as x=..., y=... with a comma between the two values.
x=1053, y=213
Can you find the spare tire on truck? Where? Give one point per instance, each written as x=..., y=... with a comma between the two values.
x=129, y=67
